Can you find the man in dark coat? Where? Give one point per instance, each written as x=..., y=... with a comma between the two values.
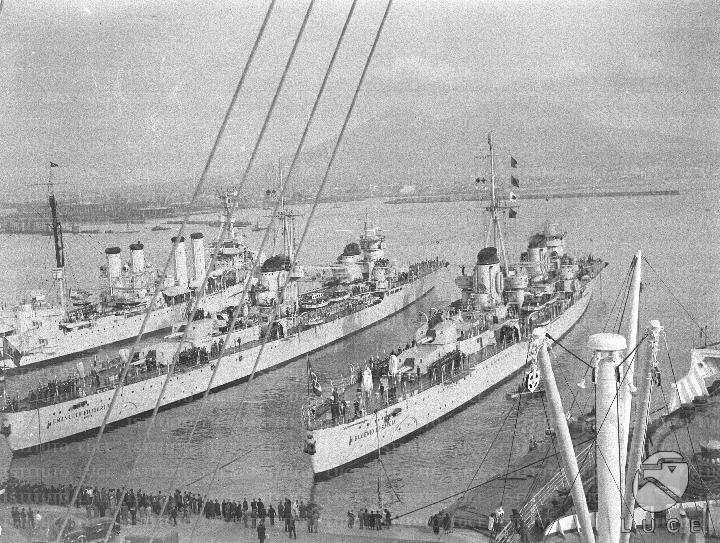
x=261, y=531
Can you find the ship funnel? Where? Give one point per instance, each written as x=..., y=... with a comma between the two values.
x=198, y=249
x=181, y=276
x=137, y=252
x=487, y=279
x=114, y=266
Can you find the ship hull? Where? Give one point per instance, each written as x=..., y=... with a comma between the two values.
x=113, y=329
x=31, y=428
x=350, y=443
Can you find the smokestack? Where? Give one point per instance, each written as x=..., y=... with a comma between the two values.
x=114, y=266
x=198, y=248
x=138, y=257
x=180, y=262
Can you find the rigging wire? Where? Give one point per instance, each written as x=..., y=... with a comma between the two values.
x=488, y=481
x=285, y=186
x=664, y=284
x=621, y=315
x=573, y=394
x=617, y=485
x=265, y=238
x=687, y=428
x=243, y=296
x=512, y=444
x=547, y=421
x=617, y=297
x=196, y=192
x=225, y=226
x=347, y=117
x=389, y=481
x=708, y=494
x=492, y=443
x=589, y=366
x=620, y=384
x=320, y=189
x=581, y=466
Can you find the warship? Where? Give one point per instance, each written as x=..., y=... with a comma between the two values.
x=277, y=322
x=621, y=484
x=38, y=331
x=460, y=352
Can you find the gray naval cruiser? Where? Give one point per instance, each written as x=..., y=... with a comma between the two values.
x=277, y=322
x=460, y=352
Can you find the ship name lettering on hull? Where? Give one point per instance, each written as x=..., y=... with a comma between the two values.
x=77, y=415
x=371, y=431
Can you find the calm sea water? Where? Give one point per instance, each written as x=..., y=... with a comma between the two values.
x=254, y=432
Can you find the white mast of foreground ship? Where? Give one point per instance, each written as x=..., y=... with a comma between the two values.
x=627, y=388
x=613, y=404
x=567, y=452
x=646, y=368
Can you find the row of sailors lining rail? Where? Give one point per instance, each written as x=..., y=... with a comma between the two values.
x=107, y=375
x=380, y=384
x=139, y=507
x=377, y=388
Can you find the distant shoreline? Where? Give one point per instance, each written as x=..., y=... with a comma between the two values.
x=472, y=198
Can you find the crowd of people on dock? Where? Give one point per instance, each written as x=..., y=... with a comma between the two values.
x=138, y=507
x=440, y=520
x=370, y=520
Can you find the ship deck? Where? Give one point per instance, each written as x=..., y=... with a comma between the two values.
x=106, y=376
x=349, y=390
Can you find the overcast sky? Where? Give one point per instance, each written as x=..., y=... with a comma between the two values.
x=120, y=91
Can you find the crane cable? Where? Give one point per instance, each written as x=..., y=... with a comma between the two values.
x=196, y=192
x=320, y=189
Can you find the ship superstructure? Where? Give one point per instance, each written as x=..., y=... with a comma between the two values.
x=460, y=352
x=38, y=331
x=279, y=325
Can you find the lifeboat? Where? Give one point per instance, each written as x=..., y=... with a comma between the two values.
x=339, y=295
x=313, y=300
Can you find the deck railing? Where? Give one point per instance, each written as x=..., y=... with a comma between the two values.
x=558, y=483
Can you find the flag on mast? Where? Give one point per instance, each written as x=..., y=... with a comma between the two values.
x=513, y=162
x=53, y=165
x=514, y=181
x=314, y=382
x=512, y=214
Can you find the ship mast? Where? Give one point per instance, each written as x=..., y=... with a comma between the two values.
x=287, y=218
x=495, y=210
x=288, y=223
x=59, y=270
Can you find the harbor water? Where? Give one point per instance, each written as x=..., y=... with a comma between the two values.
x=251, y=435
